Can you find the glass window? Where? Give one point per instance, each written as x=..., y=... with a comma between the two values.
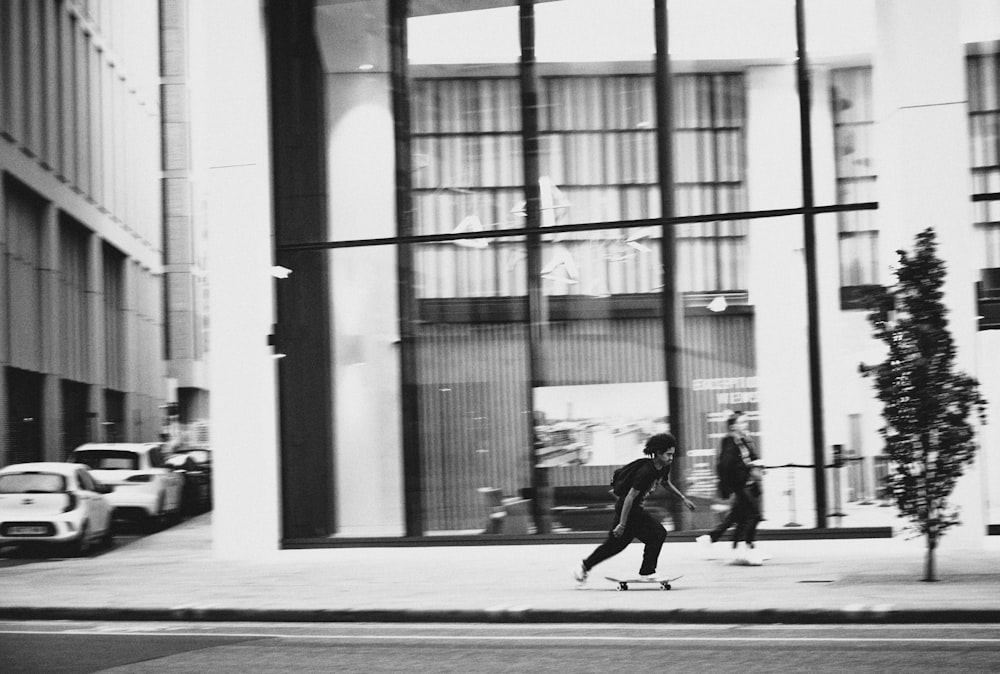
x=467, y=178
x=853, y=128
x=32, y=483
x=156, y=458
x=600, y=387
x=709, y=176
x=85, y=481
x=470, y=359
x=107, y=459
x=495, y=348
x=983, y=67
x=598, y=142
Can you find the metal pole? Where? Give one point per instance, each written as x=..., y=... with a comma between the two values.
x=672, y=325
x=812, y=286
x=410, y=403
x=537, y=309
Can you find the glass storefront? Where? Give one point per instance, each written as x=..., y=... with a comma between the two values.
x=515, y=290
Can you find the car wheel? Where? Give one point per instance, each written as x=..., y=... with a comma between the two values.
x=81, y=546
x=108, y=539
x=157, y=520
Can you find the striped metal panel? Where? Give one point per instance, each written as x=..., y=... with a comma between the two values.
x=474, y=415
x=474, y=419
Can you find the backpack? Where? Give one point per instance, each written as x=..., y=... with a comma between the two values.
x=621, y=480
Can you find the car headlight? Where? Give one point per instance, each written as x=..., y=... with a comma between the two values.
x=140, y=478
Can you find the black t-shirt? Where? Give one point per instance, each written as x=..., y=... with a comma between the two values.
x=647, y=477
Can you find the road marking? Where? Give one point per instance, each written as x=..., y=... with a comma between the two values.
x=513, y=637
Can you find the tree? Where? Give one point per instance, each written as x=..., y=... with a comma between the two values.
x=926, y=403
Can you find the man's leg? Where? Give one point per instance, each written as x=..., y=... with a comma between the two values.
x=741, y=514
x=611, y=546
x=652, y=534
x=752, y=518
x=719, y=531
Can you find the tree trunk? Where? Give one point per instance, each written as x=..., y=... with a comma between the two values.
x=930, y=575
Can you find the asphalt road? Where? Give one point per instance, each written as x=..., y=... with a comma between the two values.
x=163, y=647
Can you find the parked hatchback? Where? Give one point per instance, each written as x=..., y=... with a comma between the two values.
x=146, y=489
x=53, y=503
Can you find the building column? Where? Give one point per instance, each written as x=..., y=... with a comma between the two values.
x=130, y=379
x=52, y=418
x=4, y=327
x=777, y=287
x=924, y=178
x=243, y=404
x=96, y=373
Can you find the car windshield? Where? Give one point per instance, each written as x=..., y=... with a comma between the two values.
x=32, y=483
x=107, y=459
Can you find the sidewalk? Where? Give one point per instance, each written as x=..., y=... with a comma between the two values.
x=172, y=575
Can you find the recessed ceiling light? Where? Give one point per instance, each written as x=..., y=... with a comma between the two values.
x=366, y=66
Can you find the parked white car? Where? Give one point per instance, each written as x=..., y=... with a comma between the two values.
x=53, y=503
x=145, y=487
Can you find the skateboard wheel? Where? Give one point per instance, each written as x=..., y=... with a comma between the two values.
x=622, y=587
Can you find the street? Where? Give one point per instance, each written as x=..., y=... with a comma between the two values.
x=79, y=647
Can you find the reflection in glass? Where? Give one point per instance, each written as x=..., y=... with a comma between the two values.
x=983, y=68
x=709, y=174
x=470, y=332
x=472, y=383
x=853, y=124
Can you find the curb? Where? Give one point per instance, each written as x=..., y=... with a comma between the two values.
x=513, y=615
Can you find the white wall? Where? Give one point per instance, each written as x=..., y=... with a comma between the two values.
x=231, y=111
x=778, y=291
x=924, y=178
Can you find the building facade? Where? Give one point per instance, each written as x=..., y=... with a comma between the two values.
x=524, y=235
x=81, y=345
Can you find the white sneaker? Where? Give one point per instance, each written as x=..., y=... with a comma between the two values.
x=740, y=553
x=704, y=541
x=648, y=576
x=753, y=558
x=579, y=574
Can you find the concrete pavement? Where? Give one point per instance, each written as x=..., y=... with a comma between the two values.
x=173, y=575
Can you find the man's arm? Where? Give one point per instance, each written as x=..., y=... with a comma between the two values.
x=630, y=498
x=673, y=487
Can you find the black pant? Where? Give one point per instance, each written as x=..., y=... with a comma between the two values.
x=745, y=514
x=640, y=525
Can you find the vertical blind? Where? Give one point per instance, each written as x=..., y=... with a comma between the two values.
x=853, y=126
x=598, y=164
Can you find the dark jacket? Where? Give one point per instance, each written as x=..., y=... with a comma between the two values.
x=732, y=470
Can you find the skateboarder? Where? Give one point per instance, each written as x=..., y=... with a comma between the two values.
x=631, y=520
x=738, y=469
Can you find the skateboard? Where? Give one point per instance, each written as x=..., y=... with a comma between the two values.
x=664, y=583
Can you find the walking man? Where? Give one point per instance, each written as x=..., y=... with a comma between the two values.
x=632, y=484
x=738, y=469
